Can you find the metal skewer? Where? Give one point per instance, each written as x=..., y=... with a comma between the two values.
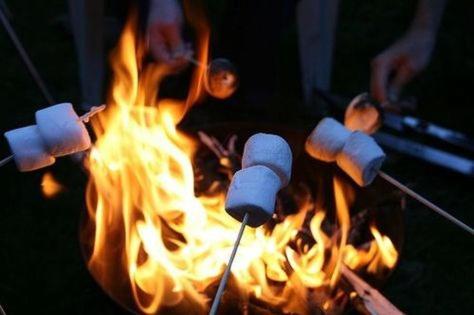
x=195, y=61
x=84, y=118
x=426, y=202
x=92, y=111
x=24, y=56
x=225, y=277
x=6, y=160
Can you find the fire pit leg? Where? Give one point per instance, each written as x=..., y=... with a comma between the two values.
x=225, y=277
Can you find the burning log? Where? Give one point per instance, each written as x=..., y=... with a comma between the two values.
x=375, y=303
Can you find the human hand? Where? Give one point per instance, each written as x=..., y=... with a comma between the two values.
x=397, y=65
x=164, y=33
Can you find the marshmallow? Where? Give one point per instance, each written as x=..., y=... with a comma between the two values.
x=62, y=130
x=327, y=140
x=361, y=158
x=362, y=115
x=221, y=80
x=28, y=148
x=271, y=151
x=253, y=190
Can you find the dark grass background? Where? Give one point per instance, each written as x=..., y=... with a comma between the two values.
x=41, y=268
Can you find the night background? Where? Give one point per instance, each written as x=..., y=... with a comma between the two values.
x=41, y=267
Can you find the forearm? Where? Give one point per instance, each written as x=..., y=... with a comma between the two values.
x=428, y=15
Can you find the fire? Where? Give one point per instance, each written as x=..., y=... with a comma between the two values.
x=152, y=235
x=50, y=186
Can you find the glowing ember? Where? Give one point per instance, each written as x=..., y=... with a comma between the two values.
x=50, y=186
x=151, y=234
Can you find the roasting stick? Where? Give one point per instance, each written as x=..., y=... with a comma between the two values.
x=360, y=157
x=6, y=160
x=221, y=79
x=225, y=277
x=25, y=58
x=426, y=202
x=195, y=62
x=93, y=111
x=252, y=193
x=84, y=118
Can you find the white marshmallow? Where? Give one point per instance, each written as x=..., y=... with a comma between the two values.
x=28, y=148
x=271, y=151
x=361, y=158
x=327, y=140
x=253, y=190
x=62, y=130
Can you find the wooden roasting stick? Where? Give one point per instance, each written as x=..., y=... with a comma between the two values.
x=426, y=202
x=373, y=300
x=6, y=160
x=225, y=277
x=84, y=118
x=360, y=157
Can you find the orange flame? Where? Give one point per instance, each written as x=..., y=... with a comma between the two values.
x=154, y=236
x=50, y=186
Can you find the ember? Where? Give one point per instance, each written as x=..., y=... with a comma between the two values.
x=158, y=237
x=50, y=186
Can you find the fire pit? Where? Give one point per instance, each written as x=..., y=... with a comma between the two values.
x=310, y=194
x=156, y=236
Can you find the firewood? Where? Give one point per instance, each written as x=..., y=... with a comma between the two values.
x=374, y=301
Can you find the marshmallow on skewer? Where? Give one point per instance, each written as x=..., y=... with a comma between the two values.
x=271, y=151
x=252, y=193
x=62, y=130
x=28, y=148
x=361, y=158
x=363, y=115
x=253, y=190
x=327, y=140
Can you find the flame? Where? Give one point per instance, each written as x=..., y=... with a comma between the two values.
x=153, y=236
x=50, y=187
x=387, y=253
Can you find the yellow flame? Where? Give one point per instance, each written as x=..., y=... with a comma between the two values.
x=153, y=236
x=50, y=186
x=343, y=218
x=386, y=251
